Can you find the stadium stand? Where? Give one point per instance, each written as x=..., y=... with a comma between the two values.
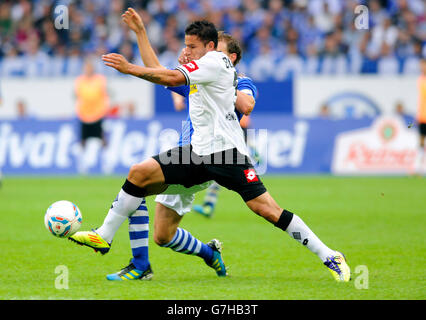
x=280, y=37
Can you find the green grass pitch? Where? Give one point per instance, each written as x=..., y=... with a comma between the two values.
x=378, y=222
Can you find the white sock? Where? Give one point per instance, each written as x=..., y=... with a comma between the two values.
x=110, y=226
x=299, y=231
x=122, y=208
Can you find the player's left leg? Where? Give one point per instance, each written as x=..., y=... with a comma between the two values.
x=100, y=239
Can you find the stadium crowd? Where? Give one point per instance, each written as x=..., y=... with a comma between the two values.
x=280, y=37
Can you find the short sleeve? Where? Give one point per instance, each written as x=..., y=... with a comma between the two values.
x=247, y=86
x=200, y=71
x=182, y=90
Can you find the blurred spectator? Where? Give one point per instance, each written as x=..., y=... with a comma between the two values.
x=318, y=36
x=311, y=35
x=412, y=63
x=376, y=12
x=6, y=22
x=290, y=65
x=92, y=102
x=324, y=112
x=312, y=61
x=333, y=59
x=262, y=66
x=58, y=62
x=262, y=38
x=35, y=60
x=74, y=62
x=388, y=64
x=169, y=57
x=21, y=109
x=323, y=17
x=12, y=64
x=400, y=111
x=154, y=30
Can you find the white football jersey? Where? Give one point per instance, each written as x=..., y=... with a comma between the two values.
x=213, y=81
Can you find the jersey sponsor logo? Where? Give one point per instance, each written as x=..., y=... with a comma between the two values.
x=230, y=116
x=191, y=66
x=251, y=175
x=193, y=89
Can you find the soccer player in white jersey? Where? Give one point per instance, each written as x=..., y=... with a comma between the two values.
x=217, y=152
x=173, y=204
x=139, y=267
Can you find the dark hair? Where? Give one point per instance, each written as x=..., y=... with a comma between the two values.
x=232, y=44
x=204, y=30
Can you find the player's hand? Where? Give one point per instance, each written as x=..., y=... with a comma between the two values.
x=116, y=61
x=183, y=57
x=133, y=20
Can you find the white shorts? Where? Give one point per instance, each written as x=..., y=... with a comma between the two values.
x=179, y=198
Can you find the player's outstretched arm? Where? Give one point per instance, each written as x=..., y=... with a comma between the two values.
x=245, y=103
x=165, y=77
x=135, y=23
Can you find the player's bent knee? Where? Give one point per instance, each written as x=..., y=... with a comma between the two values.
x=138, y=175
x=162, y=239
x=146, y=173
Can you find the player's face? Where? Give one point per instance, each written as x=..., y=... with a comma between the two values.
x=195, y=48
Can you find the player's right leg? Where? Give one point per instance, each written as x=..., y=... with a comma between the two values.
x=168, y=213
x=265, y=206
x=241, y=177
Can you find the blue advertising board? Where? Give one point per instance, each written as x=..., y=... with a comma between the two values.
x=286, y=144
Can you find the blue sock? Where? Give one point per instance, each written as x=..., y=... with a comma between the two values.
x=138, y=233
x=186, y=243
